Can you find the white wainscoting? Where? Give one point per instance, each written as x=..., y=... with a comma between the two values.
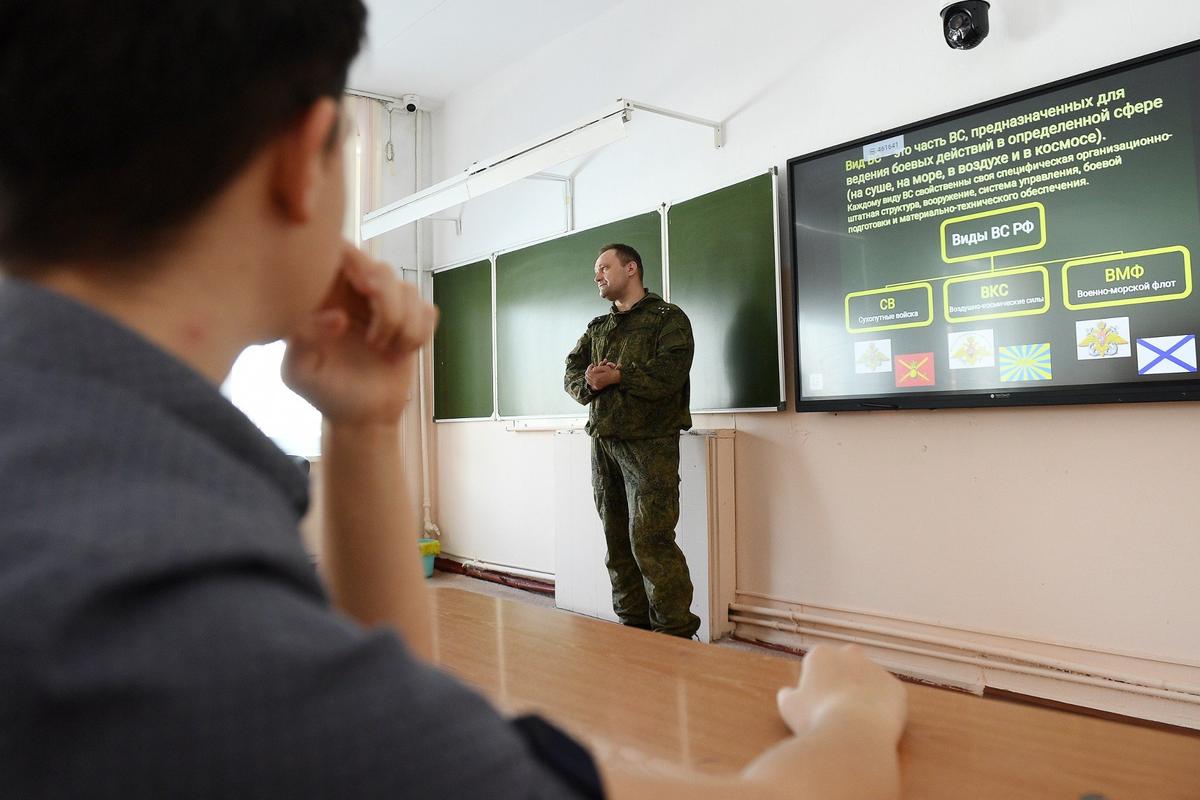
x=973, y=661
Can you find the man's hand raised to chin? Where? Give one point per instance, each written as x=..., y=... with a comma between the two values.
x=355, y=358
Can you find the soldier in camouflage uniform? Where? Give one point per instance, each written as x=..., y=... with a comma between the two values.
x=631, y=366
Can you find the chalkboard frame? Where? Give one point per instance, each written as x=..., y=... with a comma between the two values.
x=491, y=259
x=663, y=209
x=773, y=171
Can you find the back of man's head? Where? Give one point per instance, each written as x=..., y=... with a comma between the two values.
x=122, y=120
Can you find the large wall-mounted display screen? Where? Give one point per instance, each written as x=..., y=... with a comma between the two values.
x=1036, y=249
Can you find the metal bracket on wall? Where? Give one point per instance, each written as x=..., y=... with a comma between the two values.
x=382, y=98
x=456, y=220
x=718, y=127
x=568, y=185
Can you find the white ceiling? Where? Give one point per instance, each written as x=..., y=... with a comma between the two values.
x=436, y=47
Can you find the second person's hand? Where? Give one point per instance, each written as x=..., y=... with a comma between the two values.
x=843, y=681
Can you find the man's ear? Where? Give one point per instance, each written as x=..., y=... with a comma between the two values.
x=300, y=160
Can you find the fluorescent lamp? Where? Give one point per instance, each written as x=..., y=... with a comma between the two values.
x=436, y=198
x=598, y=134
x=486, y=176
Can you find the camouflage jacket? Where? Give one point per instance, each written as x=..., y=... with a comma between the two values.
x=652, y=342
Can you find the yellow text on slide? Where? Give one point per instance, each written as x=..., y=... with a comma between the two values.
x=904, y=306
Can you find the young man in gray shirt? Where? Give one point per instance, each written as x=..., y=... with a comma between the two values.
x=170, y=192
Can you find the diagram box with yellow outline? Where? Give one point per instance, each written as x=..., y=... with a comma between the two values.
x=908, y=305
x=1118, y=280
x=1032, y=284
x=980, y=227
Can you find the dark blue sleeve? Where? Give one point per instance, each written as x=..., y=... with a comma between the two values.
x=562, y=755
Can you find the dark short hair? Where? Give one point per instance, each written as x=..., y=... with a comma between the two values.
x=123, y=119
x=625, y=254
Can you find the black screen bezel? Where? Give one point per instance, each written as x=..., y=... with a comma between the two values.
x=1132, y=392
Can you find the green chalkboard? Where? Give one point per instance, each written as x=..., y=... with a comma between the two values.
x=462, y=346
x=722, y=271
x=545, y=298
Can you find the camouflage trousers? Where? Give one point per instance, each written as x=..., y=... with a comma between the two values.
x=636, y=486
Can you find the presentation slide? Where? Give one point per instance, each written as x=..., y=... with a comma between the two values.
x=1034, y=250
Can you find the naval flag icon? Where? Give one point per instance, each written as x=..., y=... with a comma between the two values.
x=1159, y=355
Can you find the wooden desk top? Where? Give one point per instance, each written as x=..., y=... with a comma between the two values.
x=642, y=697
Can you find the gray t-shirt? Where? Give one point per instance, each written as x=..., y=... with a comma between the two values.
x=162, y=631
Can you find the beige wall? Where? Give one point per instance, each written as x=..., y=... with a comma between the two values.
x=1070, y=525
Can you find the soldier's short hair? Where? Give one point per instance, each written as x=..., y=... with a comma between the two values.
x=625, y=254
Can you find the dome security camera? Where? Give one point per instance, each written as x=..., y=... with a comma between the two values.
x=965, y=24
x=411, y=102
